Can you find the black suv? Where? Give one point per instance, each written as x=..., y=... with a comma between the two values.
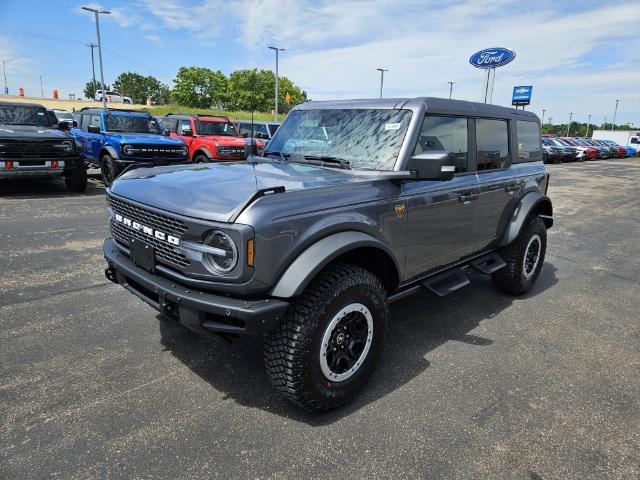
x=34, y=144
x=354, y=205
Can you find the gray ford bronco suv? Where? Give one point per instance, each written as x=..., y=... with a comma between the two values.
x=354, y=205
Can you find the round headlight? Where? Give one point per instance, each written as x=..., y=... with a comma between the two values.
x=67, y=146
x=183, y=151
x=223, y=255
x=127, y=149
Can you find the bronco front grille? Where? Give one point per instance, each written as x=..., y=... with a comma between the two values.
x=31, y=149
x=165, y=252
x=154, y=151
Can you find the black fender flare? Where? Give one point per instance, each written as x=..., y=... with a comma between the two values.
x=110, y=150
x=204, y=150
x=530, y=202
x=310, y=262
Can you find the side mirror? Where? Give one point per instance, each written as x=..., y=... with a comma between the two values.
x=186, y=133
x=64, y=126
x=245, y=134
x=166, y=132
x=433, y=165
x=93, y=129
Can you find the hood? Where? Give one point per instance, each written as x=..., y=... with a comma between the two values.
x=224, y=140
x=217, y=191
x=28, y=131
x=145, y=138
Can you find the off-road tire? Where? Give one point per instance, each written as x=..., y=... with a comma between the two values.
x=109, y=169
x=76, y=180
x=292, y=351
x=201, y=158
x=512, y=279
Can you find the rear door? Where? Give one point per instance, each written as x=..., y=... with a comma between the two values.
x=441, y=214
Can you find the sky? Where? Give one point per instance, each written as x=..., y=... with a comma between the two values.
x=580, y=56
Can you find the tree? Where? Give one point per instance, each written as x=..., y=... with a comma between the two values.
x=254, y=90
x=90, y=88
x=139, y=87
x=200, y=87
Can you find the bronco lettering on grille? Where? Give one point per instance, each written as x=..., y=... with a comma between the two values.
x=147, y=230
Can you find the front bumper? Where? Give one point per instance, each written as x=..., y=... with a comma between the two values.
x=29, y=168
x=200, y=311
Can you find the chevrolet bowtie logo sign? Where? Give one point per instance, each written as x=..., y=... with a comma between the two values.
x=127, y=222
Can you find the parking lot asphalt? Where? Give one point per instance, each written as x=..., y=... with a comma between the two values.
x=474, y=385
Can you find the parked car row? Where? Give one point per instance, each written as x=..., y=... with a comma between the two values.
x=572, y=149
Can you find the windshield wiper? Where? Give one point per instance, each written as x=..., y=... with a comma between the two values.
x=283, y=156
x=327, y=159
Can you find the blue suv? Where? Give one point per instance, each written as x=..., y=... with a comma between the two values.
x=115, y=139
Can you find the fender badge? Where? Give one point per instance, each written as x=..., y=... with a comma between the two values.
x=400, y=209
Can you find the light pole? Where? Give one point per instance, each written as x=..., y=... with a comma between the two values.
x=569, y=126
x=4, y=70
x=97, y=12
x=615, y=112
x=381, y=70
x=277, y=50
x=588, y=125
x=41, y=89
x=450, y=88
x=93, y=68
x=543, y=110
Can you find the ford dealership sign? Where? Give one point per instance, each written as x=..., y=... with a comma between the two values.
x=492, y=57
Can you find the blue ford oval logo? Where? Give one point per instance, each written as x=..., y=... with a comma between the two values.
x=492, y=57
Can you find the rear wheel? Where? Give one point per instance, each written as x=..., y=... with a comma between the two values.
x=524, y=258
x=326, y=348
x=76, y=180
x=109, y=170
x=127, y=102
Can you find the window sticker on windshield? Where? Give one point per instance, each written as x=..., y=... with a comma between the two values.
x=392, y=126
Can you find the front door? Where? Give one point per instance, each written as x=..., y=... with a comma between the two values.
x=441, y=214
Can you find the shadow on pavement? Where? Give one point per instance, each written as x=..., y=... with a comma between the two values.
x=47, y=187
x=419, y=324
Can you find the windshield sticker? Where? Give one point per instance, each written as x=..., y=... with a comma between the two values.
x=392, y=126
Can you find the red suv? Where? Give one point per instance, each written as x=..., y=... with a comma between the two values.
x=209, y=139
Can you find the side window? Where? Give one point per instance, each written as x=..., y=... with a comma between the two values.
x=245, y=129
x=447, y=134
x=95, y=121
x=492, y=140
x=169, y=124
x=635, y=140
x=528, y=139
x=260, y=131
x=85, y=121
x=184, y=125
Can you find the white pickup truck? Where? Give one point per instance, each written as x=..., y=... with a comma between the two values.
x=629, y=138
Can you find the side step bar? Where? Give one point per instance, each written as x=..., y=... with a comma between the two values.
x=444, y=282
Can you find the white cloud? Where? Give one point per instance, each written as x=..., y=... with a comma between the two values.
x=154, y=38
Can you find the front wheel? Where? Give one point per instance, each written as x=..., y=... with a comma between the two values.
x=109, y=170
x=524, y=258
x=325, y=350
x=201, y=158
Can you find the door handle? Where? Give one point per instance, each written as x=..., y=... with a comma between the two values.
x=464, y=198
x=512, y=188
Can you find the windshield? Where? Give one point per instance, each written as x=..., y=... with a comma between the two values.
x=24, y=115
x=367, y=139
x=216, y=128
x=63, y=115
x=121, y=123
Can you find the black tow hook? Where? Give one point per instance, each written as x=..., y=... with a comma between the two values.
x=110, y=273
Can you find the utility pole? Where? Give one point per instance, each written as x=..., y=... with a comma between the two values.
x=41, y=89
x=97, y=12
x=277, y=50
x=588, y=125
x=543, y=110
x=450, y=88
x=615, y=112
x=569, y=126
x=381, y=70
x=4, y=70
x=93, y=68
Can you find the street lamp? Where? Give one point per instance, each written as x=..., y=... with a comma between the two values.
x=276, y=49
x=93, y=68
x=569, y=126
x=97, y=12
x=381, y=70
x=450, y=88
x=4, y=69
x=615, y=112
x=41, y=89
x=588, y=125
x=543, y=110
